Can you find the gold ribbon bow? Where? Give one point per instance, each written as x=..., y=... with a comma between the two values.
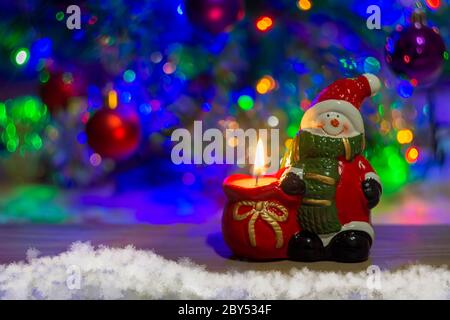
x=263, y=209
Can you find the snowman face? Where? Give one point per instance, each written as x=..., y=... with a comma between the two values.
x=335, y=124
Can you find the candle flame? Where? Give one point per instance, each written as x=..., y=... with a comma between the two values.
x=259, y=166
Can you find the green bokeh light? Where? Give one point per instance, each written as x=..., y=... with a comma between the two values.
x=36, y=141
x=10, y=130
x=44, y=76
x=245, y=102
x=11, y=145
x=292, y=130
x=392, y=168
x=22, y=56
x=60, y=16
x=3, y=116
x=381, y=110
x=395, y=105
x=39, y=204
x=372, y=65
x=31, y=110
x=22, y=122
x=129, y=76
x=190, y=62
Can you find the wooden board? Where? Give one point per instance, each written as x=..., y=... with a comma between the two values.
x=395, y=246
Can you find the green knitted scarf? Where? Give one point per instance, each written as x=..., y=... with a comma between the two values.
x=318, y=157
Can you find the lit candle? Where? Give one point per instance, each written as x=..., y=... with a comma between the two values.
x=259, y=169
x=259, y=218
x=259, y=164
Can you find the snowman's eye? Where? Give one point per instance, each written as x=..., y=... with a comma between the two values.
x=337, y=116
x=328, y=115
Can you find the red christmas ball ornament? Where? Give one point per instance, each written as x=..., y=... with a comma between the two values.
x=60, y=88
x=214, y=16
x=416, y=51
x=114, y=133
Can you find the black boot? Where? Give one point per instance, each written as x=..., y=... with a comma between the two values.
x=305, y=246
x=349, y=246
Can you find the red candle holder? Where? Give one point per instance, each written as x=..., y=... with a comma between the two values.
x=258, y=220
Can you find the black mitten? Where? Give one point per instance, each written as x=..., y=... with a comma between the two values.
x=372, y=191
x=293, y=185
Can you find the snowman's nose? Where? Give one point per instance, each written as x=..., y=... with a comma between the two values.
x=335, y=123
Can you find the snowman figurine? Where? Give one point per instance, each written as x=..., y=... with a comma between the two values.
x=337, y=184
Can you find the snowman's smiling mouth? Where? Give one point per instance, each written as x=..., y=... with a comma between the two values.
x=331, y=134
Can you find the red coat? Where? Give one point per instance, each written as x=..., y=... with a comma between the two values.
x=350, y=200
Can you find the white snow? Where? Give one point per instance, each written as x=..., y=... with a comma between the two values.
x=86, y=272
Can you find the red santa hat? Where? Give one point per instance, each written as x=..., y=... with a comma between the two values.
x=344, y=96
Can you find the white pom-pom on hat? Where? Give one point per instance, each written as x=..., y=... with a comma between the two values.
x=374, y=82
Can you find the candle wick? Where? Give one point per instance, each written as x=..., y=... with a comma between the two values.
x=256, y=182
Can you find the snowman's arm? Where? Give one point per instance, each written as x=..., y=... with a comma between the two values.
x=291, y=182
x=370, y=182
x=366, y=171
